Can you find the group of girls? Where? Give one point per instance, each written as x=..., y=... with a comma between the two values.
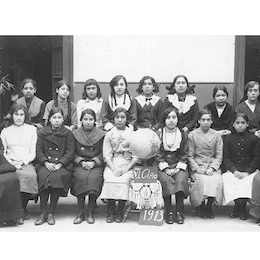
x=85, y=148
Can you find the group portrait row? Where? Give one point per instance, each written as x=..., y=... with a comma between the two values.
x=90, y=149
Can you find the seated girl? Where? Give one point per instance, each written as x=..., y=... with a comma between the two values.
x=87, y=177
x=241, y=156
x=205, y=157
x=55, y=153
x=119, y=165
x=172, y=159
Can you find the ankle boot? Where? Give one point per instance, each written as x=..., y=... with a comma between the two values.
x=203, y=210
x=89, y=216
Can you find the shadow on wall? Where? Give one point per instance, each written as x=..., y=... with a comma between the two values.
x=203, y=91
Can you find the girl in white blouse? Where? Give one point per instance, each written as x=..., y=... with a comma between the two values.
x=19, y=140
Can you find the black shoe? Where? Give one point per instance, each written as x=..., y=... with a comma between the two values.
x=243, y=215
x=257, y=221
x=79, y=218
x=119, y=217
x=179, y=219
x=110, y=217
x=90, y=218
x=170, y=218
x=20, y=221
x=8, y=223
x=210, y=214
x=42, y=219
x=203, y=213
x=51, y=219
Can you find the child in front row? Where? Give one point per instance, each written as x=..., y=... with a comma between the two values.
x=55, y=152
x=172, y=162
x=241, y=155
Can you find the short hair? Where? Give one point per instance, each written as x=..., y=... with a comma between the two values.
x=90, y=82
x=189, y=90
x=27, y=80
x=204, y=111
x=167, y=112
x=119, y=110
x=219, y=87
x=17, y=107
x=88, y=111
x=141, y=83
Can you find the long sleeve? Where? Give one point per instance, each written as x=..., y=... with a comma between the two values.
x=68, y=156
x=40, y=154
x=191, y=155
x=107, y=148
x=74, y=117
x=193, y=118
x=106, y=113
x=133, y=113
x=215, y=164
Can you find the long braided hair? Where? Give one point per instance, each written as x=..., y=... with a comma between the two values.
x=56, y=103
x=113, y=82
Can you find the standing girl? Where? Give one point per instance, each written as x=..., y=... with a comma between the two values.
x=222, y=112
x=55, y=152
x=87, y=178
x=250, y=105
x=172, y=159
x=62, y=100
x=119, y=165
x=148, y=105
x=19, y=141
x=34, y=105
x=119, y=97
x=180, y=97
x=241, y=155
x=205, y=157
x=91, y=98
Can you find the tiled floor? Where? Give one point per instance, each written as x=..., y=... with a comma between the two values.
x=67, y=210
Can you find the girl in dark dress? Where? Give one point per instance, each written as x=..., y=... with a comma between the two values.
x=119, y=97
x=172, y=159
x=87, y=178
x=55, y=152
x=241, y=156
x=180, y=96
x=221, y=111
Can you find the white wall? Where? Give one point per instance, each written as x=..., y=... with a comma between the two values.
x=201, y=58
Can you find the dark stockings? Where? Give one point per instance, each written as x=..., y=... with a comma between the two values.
x=81, y=204
x=54, y=197
x=209, y=204
x=168, y=203
x=25, y=197
x=91, y=202
x=112, y=206
x=179, y=197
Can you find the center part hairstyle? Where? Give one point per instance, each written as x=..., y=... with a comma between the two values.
x=167, y=112
x=112, y=84
x=189, y=90
x=141, y=83
x=205, y=111
x=14, y=109
x=56, y=104
x=121, y=109
x=27, y=80
x=219, y=87
x=90, y=82
x=88, y=111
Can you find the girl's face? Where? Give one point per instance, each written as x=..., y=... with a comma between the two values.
x=120, y=87
x=205, y=122
x=180, y=85
x=91, y=91
x=171, y=120
x=253, y=93
x=220, y=98
x=240, y=124
x=88, y=122
x=19, y=117
x=120, y=120
x=56, y=120
x=148, y=88
x=28, y=90
x=63, y=91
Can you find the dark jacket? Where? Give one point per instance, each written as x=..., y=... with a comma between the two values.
x=55, y=147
